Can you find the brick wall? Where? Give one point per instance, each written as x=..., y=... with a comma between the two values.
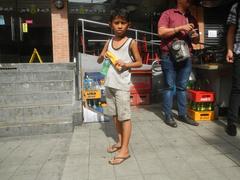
x=60, y=35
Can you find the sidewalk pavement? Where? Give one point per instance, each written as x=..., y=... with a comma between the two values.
x=158, y=152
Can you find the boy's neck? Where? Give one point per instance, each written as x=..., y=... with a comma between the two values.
x=119, y=38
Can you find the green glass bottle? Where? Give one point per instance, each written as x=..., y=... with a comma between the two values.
x=194, y=106
x=202, y=106
x=198, y=107
x=212, y=106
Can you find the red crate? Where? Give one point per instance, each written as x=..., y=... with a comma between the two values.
x=141, y=83
x=201, y=96
x=140, y=99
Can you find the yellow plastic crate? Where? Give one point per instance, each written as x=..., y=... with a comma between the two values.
x=92, y=94
x=201, y=115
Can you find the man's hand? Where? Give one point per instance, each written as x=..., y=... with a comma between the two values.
x=230, y=57
x=187, y=28
x=193, y=34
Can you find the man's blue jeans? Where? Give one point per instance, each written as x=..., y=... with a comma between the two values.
x=176, y=76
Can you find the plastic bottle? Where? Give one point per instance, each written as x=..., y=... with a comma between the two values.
x=100, y=107
x=94, y=105
x=91, y=84
x=97, y=86
x=86, y=83
x=89, y=103
x=105, y=67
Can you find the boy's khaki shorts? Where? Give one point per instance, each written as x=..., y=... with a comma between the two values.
x=118, y=103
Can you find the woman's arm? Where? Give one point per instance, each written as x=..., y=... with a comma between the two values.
x=102, y=55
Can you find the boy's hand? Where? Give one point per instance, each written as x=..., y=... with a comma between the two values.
x=121, y=63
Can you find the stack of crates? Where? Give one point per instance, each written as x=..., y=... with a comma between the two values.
x=201, y=105
x=141, y=87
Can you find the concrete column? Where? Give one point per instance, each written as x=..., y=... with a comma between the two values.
x=60, y=34
x=198, y=13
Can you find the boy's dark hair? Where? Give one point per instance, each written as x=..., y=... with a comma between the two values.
x=123, y=13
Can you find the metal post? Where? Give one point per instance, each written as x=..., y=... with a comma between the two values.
x=76, y=54
x=83, y=36
x=136, y=35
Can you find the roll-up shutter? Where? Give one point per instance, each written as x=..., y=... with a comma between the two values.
x=215, y=29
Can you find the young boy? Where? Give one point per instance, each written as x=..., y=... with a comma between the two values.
x=117, y=82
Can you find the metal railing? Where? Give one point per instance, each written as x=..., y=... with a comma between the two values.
x=153, y=40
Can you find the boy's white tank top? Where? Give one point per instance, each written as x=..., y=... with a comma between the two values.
x=115, y=79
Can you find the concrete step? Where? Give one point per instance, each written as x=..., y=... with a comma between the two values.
x=35, y=113
x=36, y=99
x=35, y=67
x=36, y=87
x=41, y=76
x=36, y=128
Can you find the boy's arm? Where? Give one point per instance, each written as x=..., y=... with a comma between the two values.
x=138, y=59
x=102, y=55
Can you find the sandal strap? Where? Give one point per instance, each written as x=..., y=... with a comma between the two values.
x=115, y=146
x=123, y=158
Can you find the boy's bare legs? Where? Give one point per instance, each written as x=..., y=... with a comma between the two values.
x=118, y=126
x=127, y=130
x=124, y=151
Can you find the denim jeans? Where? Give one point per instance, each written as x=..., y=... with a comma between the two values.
x=176, y=76
x=234, y=103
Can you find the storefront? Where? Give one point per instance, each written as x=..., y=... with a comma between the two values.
x=48, y=25
x=25, y=25
x=28, y=24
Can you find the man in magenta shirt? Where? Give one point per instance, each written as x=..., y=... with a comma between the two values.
x=177, y=23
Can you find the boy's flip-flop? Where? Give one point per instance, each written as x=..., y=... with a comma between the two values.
x=113, y=148
x=122, y=159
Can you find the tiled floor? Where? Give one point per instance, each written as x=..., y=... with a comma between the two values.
x=35, y=157
x=158, y=152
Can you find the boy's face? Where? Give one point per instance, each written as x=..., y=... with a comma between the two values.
x=119, y=26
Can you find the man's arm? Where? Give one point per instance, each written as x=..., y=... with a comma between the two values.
x=230, y=42
x=165, y=32
x=164, y=26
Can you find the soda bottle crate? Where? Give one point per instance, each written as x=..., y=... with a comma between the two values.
x=140, y=99
x=201, y=96
x=141, y=82
x=201, y=115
